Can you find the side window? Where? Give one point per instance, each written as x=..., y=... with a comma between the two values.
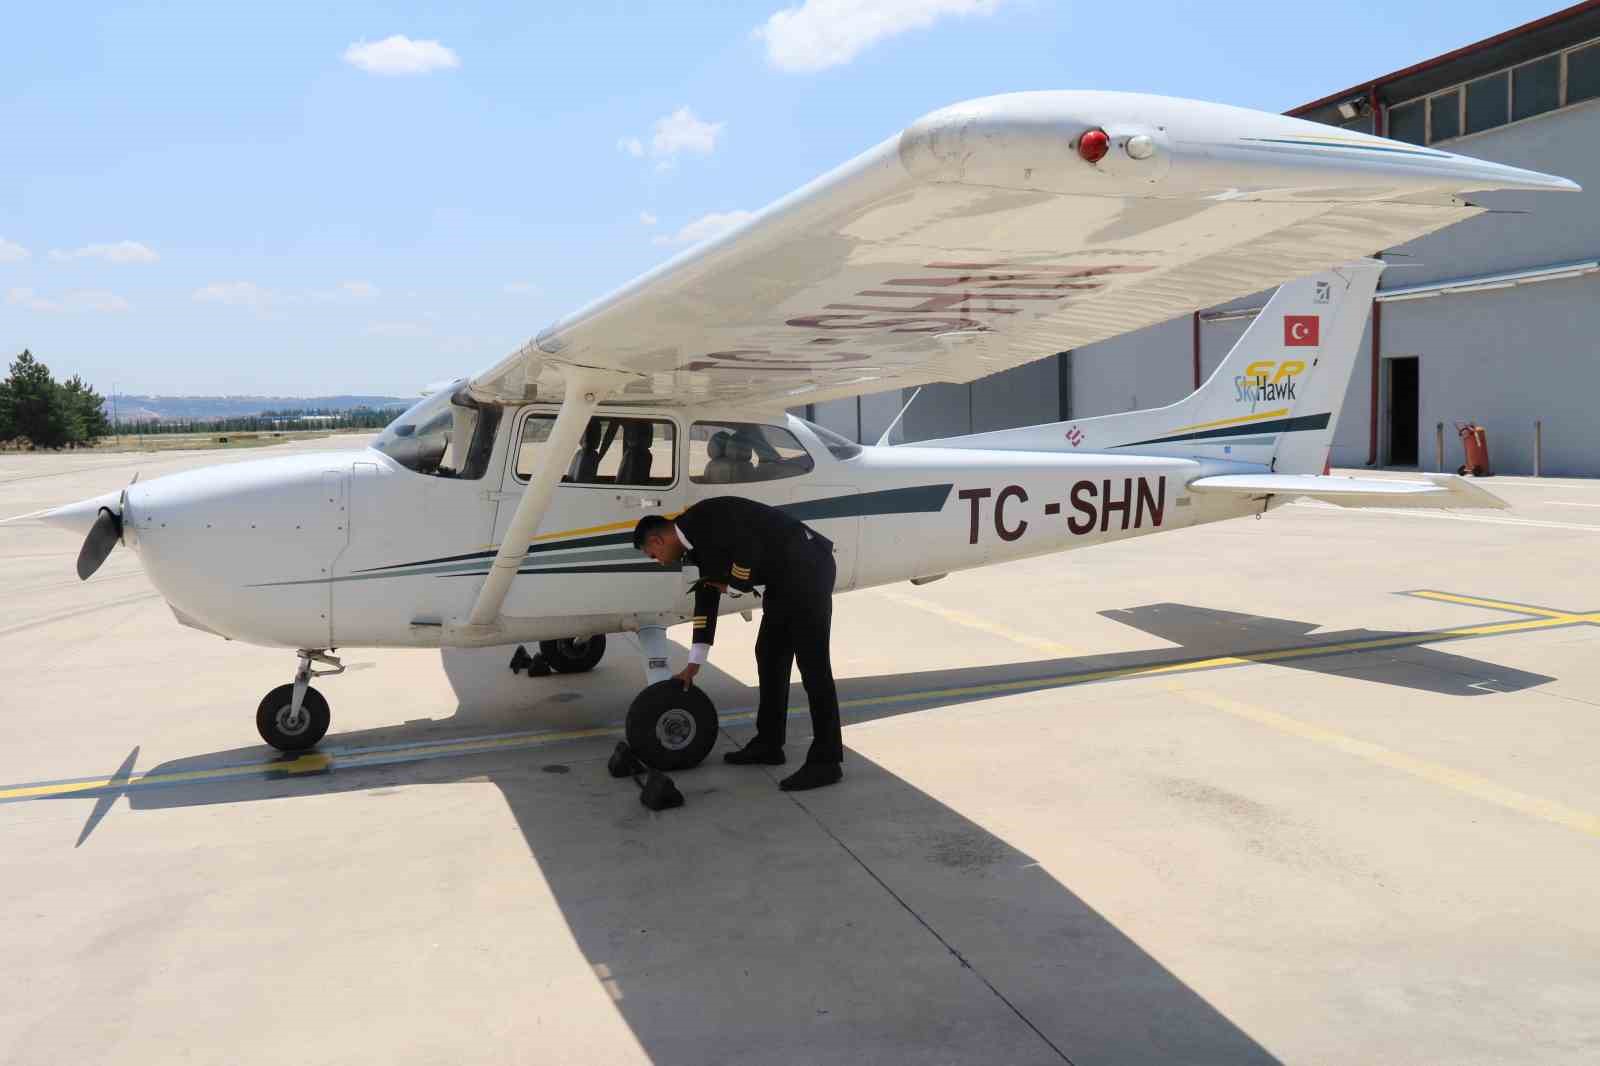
x=614, y=451
x=735, y=453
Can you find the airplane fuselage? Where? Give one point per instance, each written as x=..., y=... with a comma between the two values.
x=347, y=549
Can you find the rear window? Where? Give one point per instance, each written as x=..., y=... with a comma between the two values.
x=738, y=453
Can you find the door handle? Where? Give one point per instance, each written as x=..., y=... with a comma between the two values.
x=640, y=501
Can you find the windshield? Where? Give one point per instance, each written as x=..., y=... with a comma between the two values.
x=444, y=435
x=840, y=447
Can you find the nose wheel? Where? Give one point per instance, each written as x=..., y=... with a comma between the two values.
x=295, y=716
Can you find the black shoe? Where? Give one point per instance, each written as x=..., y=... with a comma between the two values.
x=753, y=754
x=812, y=775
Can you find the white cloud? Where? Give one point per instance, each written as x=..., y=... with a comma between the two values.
x=395, y=329
x=682, y=131
x=237, y=294
x=671, y=135
x=82, y=301
x=647, y=218
x=518, y=288
x=401, y=55
x=120, y=252
x=348, y=292
x=12, y=252
x=706, y=227
x=827, y=33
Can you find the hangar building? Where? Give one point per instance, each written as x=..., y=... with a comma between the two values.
x=1494, y=321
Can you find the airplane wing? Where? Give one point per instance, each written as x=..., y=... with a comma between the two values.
x=997, y=232
x=1439, y=490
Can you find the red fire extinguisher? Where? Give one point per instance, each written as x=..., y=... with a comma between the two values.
x=1475, y=443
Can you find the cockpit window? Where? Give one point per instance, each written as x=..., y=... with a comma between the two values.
x=734, y=453
x=839, y=446
x=614, y=451
x=445, y=435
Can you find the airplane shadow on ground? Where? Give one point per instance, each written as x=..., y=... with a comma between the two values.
x=868, y=922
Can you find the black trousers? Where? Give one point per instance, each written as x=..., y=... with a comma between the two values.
x=796, y=617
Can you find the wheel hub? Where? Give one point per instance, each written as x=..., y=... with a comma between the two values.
x=291, y=724
x=675, y=729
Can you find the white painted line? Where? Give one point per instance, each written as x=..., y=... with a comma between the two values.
x=1395, y=512
x=1569, y=503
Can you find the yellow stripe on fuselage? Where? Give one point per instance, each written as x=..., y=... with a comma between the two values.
x=1261, y=417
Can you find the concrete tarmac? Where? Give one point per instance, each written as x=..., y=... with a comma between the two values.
x=1322, y=787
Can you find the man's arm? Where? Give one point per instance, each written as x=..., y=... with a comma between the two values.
x=707, y=602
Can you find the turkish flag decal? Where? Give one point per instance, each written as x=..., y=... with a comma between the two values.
x=1301, y=331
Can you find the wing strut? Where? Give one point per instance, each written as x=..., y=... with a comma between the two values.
x=585, y=388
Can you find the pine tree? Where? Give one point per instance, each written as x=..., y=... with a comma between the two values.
x=37, y=409
x=89, y=408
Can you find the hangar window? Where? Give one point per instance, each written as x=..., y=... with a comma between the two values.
x=1409, y=122
x=1536, y=88
x=1444, y=116
x=734, y=453
x=614, y=451
x=1583, y=74
x=1487, y=102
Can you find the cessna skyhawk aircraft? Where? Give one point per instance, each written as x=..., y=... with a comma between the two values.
x=983, y=236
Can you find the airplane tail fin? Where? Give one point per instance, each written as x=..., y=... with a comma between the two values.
x=1274, y=400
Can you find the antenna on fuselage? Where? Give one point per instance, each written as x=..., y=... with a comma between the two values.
x=885, y=438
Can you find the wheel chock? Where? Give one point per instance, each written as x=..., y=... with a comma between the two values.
x=623, y=762
x=659, y=793
x=535, y=665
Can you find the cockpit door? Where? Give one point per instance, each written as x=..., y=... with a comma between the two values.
x=582, y=560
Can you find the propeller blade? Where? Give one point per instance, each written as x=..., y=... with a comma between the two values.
x=104, y=535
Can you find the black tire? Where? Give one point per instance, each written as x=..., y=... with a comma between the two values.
x=271, y=719
x=573, y=655
x=670, y=727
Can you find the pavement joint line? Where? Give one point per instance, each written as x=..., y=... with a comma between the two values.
x=1480, y=788
x=966, y=964
x=1533, y=619
x=983, y=625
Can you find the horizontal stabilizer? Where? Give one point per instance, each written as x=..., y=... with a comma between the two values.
x=1440, y=490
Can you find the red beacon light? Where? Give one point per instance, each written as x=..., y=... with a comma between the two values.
x=1093, y=145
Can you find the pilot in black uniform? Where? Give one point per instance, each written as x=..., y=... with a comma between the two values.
x=741, y=543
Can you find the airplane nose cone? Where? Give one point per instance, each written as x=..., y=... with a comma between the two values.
x=80, y=517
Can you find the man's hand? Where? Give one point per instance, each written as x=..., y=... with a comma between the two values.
x=686, y=675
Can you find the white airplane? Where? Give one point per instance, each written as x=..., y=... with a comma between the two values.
x=986, y=235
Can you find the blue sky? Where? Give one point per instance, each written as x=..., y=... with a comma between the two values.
x=301, y=199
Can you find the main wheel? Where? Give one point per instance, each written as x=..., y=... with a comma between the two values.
x=573, y=655
x=289, y=733
x=670, y=727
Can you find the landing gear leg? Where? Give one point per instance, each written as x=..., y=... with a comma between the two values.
x=295, y=716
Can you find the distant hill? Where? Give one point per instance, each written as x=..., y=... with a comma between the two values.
x=162, y=408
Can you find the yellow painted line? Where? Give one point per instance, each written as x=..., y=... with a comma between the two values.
x=313, y=762
x=1435, y=773
x=1279, y=413
x=983, y=625
x=316, y=762
x=1188, y=666
x=1498, y=605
